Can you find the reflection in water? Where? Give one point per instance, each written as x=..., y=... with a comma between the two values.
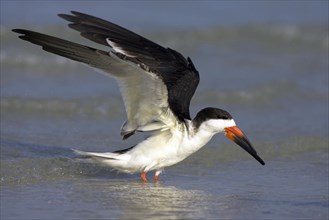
x=138, y=200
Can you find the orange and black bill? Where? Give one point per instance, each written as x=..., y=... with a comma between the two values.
x=235, y=134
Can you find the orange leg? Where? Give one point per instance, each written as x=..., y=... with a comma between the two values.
x=156, y=175
x=143, y=177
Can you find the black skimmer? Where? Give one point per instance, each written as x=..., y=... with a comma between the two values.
x=157, y=85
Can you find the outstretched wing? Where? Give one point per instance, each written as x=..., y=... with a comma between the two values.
x=156, y=83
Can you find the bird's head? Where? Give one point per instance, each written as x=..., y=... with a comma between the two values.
x=217, y=120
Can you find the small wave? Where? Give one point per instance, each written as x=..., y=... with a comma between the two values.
x=25, y=163
x=92, y=106
x=21, y=55
x=100, y=106
x=26, y=171
x=35, y=61
x=44, y=163
x=265, y=94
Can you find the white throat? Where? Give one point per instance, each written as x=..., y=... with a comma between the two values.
x=195, y=138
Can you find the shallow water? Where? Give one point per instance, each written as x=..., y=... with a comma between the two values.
x=286, y=188
x=270, y=73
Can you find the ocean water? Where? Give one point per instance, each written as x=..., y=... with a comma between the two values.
x=269, y=69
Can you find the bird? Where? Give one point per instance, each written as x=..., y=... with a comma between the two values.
x=156, y=83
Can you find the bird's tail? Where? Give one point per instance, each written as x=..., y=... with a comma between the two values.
x=95, y=155
x=107, y=155
x=118, y=160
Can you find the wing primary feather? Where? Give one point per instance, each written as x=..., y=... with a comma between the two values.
x=131, y=59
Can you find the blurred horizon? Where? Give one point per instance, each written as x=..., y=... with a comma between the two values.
x=175, y=14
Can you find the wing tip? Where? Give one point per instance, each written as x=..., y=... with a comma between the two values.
x=73, y=16
x=19, y=31
x=191, y=64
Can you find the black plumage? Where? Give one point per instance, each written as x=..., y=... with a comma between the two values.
x=210, y=113
x=178, y=73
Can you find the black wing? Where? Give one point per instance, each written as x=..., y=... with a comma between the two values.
x=178, y=73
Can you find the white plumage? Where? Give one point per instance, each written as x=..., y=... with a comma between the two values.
x=156, y=84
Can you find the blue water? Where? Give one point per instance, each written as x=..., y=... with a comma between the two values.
x=266, y=62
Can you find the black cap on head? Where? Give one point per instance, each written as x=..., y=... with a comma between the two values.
x=210, y=113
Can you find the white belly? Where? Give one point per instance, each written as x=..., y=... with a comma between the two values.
x=156, y=152
x=159, y=151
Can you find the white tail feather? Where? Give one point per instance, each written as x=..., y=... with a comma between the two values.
x=117, y=161
x=107, y=155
